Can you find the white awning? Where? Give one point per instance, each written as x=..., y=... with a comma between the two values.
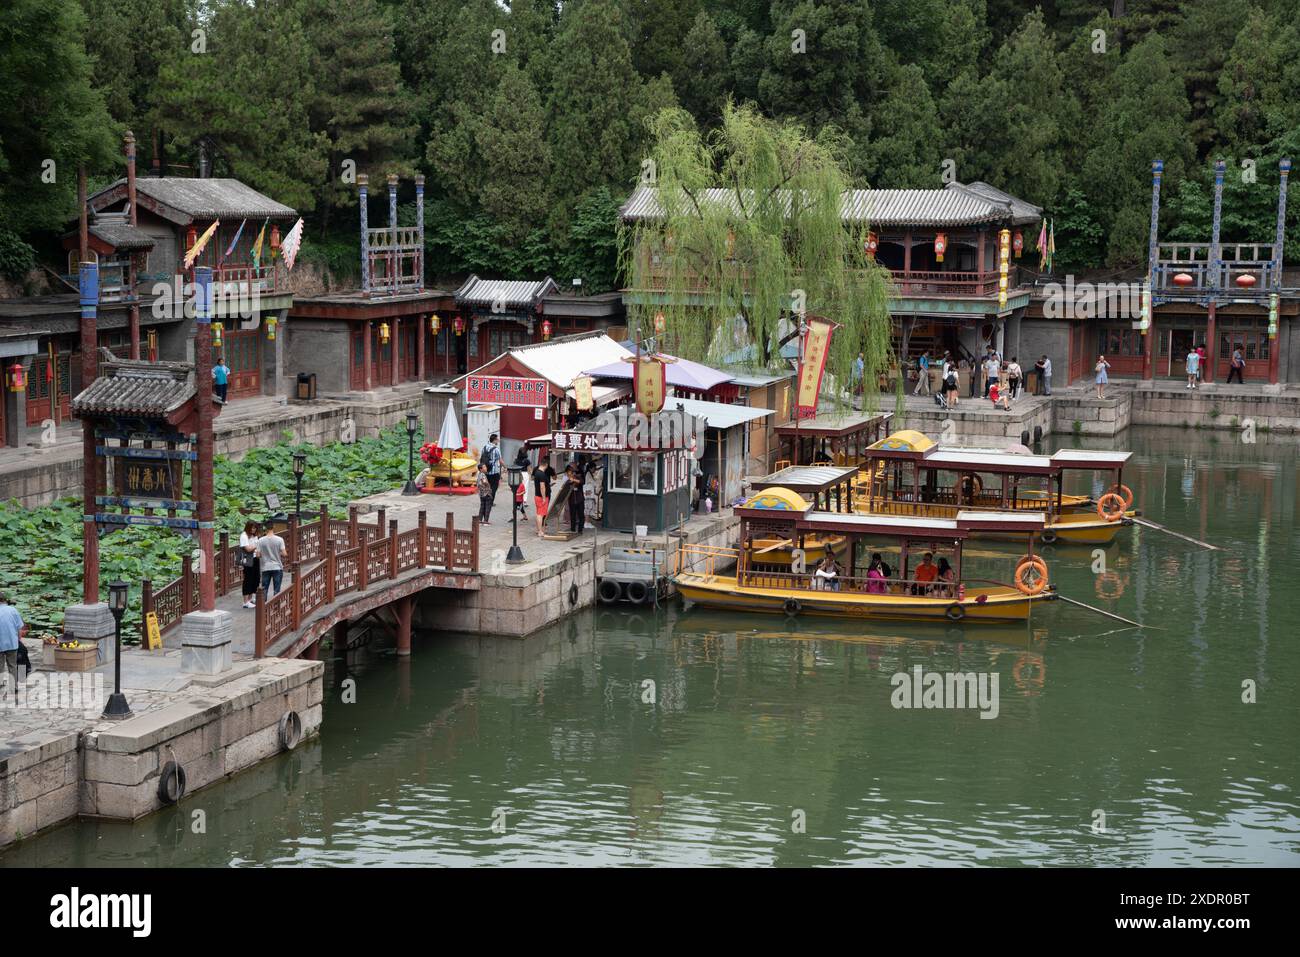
x=717, y=415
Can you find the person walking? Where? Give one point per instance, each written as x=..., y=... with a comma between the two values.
x=992, y=367
x=270, y=556
x=248, y=561
x=859, y=373
x=1102, y=379
x=922, y=374
x=485, y=492
x=12, y=628
x=1237, y=366
x=221, y=379
x=1014, y=376
x=492, y=458
x=542, y=476
x=1193, y=368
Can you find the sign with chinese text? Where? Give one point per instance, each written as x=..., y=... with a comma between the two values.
x=582, y=393
x=573, y=441
x=147, y=477
x=506, y=390
x=816, y=346
x=651, y=384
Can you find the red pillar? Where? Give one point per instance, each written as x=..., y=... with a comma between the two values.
x=366, y=359
x=420, y=333
x=1273, y=349
x=203, y=467
x=134, y=316
x=395, y=373
x=1148, y=347
x=404, y=608
x=1211, y=347
x=89, y=284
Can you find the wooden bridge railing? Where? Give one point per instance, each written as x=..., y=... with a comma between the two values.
x=343, y=556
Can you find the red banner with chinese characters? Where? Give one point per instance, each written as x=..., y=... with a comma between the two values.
x=505, y=390
x=813, y=366
x=651, y=384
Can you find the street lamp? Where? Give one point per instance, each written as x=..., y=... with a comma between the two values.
x=299, y=468
x=412, y=423
x=515, y=476
x=117, y=708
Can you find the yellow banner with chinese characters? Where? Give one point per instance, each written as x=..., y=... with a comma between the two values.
x=582, y=393
x=651, y=384
x=816, y=346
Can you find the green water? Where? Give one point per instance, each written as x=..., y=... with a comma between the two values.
x=765, y=746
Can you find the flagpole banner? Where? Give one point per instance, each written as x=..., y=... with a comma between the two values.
x=816, y=347
x=582, y=393
x=289, y=247
x=234, y=242
x=202, y=241
x=651, y=384
x=257, y=246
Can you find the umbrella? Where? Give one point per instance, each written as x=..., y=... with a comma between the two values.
x=449, y=438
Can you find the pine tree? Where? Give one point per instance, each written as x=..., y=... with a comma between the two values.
x=904, y=151
x=51, y=120
x=360, y=102
x=1146, y=120
x=128, y=41
x=511, y=138
x=701, y=84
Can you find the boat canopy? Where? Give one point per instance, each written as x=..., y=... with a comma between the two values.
x=806, y=479
x=964, y=524
x=914, y=447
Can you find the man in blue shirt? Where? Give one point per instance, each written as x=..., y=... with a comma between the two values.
x=11, y=629
x=221, y=378
x=922, y=374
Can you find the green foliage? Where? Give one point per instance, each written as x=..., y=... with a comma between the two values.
x=735, y=272
x=42, y=546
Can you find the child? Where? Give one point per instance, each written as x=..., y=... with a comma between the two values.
x=519, y=501
x=484, y=494
x=996, y=394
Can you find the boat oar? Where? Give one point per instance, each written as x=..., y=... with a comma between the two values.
x=772, y=548
x=1127, y=621
x=1169, y=531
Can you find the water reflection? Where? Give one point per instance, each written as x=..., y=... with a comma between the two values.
x=705, y=738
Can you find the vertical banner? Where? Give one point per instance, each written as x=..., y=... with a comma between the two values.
x=651, y=384
x=813, y=366
x=582, y=393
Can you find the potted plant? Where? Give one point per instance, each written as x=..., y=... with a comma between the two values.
x=73, y=655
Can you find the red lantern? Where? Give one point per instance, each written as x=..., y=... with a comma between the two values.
x=872, y=244
x=275, y=238
x=940, y=246
x=191, y=237
x=434, y=324
x=546, y=328
x=1017, y=242
x=660, y=322
x=1183, y=279
x=458, y=324
x=17, y=383
x=1246, y=280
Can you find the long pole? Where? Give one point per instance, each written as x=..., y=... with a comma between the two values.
x=203, y=471
x=89, y=295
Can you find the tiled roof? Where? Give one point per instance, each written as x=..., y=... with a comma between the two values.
x=136, y=387
x=203, y=198
x=509, y=292
x=122, y=236
x=956, y=205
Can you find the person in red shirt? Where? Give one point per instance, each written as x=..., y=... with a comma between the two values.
x=925, y=573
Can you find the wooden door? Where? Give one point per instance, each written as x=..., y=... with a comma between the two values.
x=243, y=354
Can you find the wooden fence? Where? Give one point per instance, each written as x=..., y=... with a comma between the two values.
x=326, y=558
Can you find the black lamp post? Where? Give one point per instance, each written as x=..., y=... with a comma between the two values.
x=299, y=469
x=515, y=476
x=117, y=708
x=412, y=423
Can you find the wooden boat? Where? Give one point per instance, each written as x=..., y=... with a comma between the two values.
x=732, y=578
x=907, y=474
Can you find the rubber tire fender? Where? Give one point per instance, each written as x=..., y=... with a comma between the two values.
x=289, y=733
x=609, y=591
x=171, y=783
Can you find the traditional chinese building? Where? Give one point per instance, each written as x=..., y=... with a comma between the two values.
x=942, y=248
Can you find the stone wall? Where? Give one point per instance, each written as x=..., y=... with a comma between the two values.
x=1092, y=415
x=520, y=603
x=1207, y=408
x=113, y=770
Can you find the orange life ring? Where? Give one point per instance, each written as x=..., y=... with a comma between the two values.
x=1036, y=681
x=1109, y=586
x=1124, y=492
x=1111, y=514
x=1023, y=583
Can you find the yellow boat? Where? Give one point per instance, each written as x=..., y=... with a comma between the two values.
x=727, y=578
x=907, y=474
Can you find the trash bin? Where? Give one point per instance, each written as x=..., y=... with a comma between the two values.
x=306, y=386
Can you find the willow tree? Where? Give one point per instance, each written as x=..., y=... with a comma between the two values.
x=746, y=235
